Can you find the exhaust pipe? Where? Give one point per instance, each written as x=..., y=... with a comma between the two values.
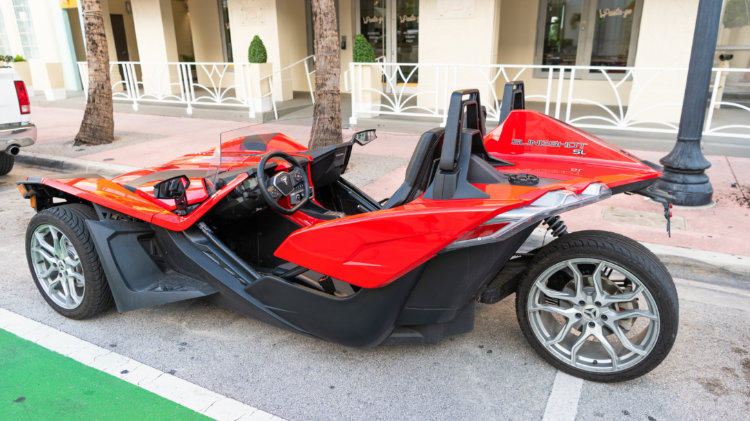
x=13, y=150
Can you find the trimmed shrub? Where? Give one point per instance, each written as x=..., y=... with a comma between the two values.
x=363, y=51
x=19, y=58
x=256, y=53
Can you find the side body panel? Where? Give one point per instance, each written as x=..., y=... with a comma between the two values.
x=373, y=249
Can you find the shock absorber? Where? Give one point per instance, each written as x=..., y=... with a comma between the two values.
x=556, y=226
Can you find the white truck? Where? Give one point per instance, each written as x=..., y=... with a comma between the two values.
x=16, y=129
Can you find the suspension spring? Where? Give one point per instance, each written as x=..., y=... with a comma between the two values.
x=556, y=226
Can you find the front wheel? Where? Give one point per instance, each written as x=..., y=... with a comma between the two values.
x=64, y=263
x=599, y=306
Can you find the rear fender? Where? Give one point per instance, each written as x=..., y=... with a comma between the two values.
x=549, y=148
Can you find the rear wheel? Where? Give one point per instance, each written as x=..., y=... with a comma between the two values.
x=64, y=263
x=6, y=163
x=599, y=306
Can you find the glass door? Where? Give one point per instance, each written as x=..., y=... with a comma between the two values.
x=372, y=23
x=406, y=38
x=392, y=28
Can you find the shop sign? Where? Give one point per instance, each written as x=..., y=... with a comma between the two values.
x=69, y=4
x=407, y=18
x=372, y=19
x=604, y=13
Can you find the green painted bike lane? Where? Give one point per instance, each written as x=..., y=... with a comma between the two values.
x=38, y=384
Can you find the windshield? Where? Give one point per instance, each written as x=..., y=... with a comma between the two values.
x=242, y=148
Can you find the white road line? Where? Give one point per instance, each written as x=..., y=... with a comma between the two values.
x=562, y=404
x=181, y=391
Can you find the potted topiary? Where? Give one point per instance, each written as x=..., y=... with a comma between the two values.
x=367, y=76
x=21, y=66
x=258, y=68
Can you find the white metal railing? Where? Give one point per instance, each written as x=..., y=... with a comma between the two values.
x=725, y=117
x=217, y=84
x=621, y=98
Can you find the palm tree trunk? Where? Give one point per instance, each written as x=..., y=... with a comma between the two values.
x=326, y=128
x=98, y=124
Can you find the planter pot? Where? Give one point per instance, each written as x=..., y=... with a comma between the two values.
x=368, y=98
x=257, y=90
x=48, y=77
x=24, y=70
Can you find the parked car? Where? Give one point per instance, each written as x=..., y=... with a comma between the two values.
x=16, y=129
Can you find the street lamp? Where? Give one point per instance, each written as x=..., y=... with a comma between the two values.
x=684, y=176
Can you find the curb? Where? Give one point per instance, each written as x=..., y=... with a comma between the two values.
x=71, y=165
x=710, y=264
x=682, y=262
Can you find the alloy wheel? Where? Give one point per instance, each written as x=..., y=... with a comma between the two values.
x=57, y=266
x=593, y=315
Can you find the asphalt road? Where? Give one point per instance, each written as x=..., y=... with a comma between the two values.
x=490, y=373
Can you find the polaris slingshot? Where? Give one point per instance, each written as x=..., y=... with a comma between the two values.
x=270, y=229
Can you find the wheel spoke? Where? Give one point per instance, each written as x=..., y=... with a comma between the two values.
x=54, y=284
x=569, y=324
x=568, y=313
x=56, y=242
x=74, y=297
x=43, y=243
x=606, y=345
x=577, y=279
x=624, y=339
x=43, y=252
x=63, y=282
x=629, y=314
x=46, y=272
x=578, y=344
x=78, y=278
x=597, y=281
x=69, y=298
x=622, y=298
x=556, y=295
x=72, y=262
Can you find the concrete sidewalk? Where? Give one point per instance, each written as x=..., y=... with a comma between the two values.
x=145, y=140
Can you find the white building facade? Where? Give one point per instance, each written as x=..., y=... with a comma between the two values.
x=621, y=62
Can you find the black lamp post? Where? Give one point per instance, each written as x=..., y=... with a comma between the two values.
x=684, y=175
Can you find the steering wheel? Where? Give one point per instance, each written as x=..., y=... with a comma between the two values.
x=283, y=184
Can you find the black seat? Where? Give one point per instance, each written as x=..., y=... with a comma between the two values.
x=420, y=170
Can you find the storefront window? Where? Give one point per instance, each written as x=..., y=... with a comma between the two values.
x=392, y=28
x=226, y=34
x=4, y=44
x=373, y=19
x=561, y=28
x=588, y=32
x=25, y=28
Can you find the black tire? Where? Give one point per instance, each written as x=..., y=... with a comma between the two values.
x=70, y=220
x=608, y=249
x=6, y=163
